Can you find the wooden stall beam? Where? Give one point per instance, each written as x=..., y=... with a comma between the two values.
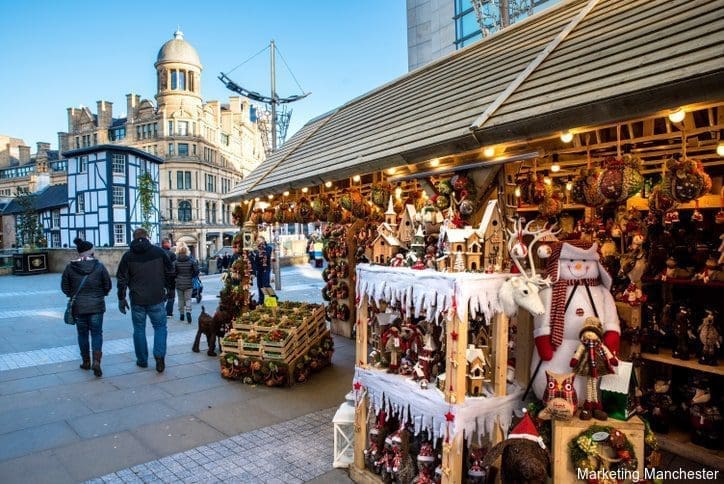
x=360, y=433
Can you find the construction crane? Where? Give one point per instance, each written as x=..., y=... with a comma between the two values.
x=273, y=121
x=494, y=15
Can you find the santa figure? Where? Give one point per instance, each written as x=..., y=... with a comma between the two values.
x=581, y=288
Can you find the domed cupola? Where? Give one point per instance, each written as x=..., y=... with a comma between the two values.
x=178, y=72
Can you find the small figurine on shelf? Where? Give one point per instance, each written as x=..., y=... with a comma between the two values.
x=710, y=339
x=683, y=334
x=672, y=271
x=705, y=417
x=659, y=406
x=653, y=333
x=633, y=295
x=425, y=464
x=710, y=269
x=393, y=346
x=592, y=359
x=477, y=474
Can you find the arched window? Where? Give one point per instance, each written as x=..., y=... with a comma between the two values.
x=184, y=211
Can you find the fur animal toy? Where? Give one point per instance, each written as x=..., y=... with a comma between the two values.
x=525, y=457
x=580, y=288
x=209, y=327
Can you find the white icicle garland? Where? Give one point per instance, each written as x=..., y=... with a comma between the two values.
x=430, y=291
x=426, y=409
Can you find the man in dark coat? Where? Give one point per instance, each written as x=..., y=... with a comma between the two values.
x=166, y=244
x=147, y=271
x=89, y=304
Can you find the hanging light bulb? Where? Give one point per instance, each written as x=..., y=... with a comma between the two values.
x=356, y=178
x=435, y=163
x=286, y=194
x=246, y=202
x=328, y=184
x=567, y=137
x=547, y=179
x=677, y=116
x=398, y=193
x=517, y=192
x=569, y=184
x=555, y=167
x=270, y=197
x=720, y=149
x=489, y=152
x=257, y=199
x=391, y=171
x=305, y=190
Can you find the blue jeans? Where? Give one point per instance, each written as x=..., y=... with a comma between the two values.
x=93, y=324
x=157, y=314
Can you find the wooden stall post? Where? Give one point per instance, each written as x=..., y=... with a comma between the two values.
x=455, y=389
x=500, y=361
x=524, y=347
x=361, y=318
x=360, y=433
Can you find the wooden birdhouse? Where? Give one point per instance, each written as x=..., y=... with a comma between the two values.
x=618, y=392
x=406, y=230
x=475, y=372
x=491, y=231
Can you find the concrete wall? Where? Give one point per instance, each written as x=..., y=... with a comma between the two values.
x=430, y=31
x=109, y=256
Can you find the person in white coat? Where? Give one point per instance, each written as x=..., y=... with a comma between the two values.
x=581, y=288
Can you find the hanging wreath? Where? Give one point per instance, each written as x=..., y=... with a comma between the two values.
x=589, y=451
x=661, y=200
x=380, y=194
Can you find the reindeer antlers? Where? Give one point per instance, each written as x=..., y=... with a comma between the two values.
x=516, y=235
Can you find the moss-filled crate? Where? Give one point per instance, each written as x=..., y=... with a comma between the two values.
x=277, y=346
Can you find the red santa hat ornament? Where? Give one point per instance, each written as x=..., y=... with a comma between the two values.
x=526, y=430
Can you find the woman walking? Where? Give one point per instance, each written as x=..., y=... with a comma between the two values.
x=87, y=279
x=186, y=268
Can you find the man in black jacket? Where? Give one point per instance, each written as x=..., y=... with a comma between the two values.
x=166, y=244
x=147, y=271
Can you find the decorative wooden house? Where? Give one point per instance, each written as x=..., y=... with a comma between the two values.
x=386, y=245
x=477, y=370
x=493, y=236
x=406, y=230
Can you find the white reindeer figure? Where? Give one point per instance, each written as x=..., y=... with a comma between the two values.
x=522, y=291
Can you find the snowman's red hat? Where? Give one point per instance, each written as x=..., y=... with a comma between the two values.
x=526, y=430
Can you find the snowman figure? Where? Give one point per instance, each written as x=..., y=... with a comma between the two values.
x=581, y=288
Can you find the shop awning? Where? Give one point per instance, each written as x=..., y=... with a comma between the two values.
x=580, y=62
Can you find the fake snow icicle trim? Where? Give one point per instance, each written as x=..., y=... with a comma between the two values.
x=426, y=409
x=430, y=291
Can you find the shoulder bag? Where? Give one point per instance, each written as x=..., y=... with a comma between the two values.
x=68, y=316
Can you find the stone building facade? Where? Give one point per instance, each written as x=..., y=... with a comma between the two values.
x=207, y=147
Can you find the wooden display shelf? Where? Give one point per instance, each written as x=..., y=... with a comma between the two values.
x=710, y=200
x=679, y=442
x=665, y=357
x=566, y=206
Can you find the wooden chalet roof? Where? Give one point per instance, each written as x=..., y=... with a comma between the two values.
x=579, y=62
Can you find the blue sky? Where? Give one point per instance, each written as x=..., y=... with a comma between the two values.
x=57, y=55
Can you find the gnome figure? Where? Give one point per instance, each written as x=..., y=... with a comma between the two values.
x=581, y=288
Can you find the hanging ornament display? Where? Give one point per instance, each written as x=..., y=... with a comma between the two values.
x=685, y=179
x=441, y=201
x=660, y=200
x=444, y=187
x=620, y=179
x=256, y=216
x=268, y=215
x=304, y=210
x=552, y=203
x=585, y=188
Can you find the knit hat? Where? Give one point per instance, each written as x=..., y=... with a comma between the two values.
x=526, y=430
x=592, y=324
x=83, y=246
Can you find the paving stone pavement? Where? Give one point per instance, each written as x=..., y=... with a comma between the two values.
x=294, y=451
x=60, y=424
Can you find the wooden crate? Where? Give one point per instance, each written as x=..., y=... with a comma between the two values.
x=564, y=432
x=231, y=347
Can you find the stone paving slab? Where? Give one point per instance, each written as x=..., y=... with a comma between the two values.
x=265, y=455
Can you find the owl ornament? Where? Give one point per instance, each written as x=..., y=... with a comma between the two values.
x=560, y=397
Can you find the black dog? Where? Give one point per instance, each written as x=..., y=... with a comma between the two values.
x=209, y=327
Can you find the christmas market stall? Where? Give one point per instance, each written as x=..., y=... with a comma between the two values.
x=532, y=222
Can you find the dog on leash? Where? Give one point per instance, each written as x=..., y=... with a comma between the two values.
x=209, y=327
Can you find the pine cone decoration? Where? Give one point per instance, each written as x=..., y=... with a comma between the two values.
x=585, y=188
x=380, y=194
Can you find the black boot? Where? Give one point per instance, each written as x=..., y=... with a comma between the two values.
x=97, y=363
x=160, y=364
x=188, y=318
x=86, y=365
x=181, y=317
